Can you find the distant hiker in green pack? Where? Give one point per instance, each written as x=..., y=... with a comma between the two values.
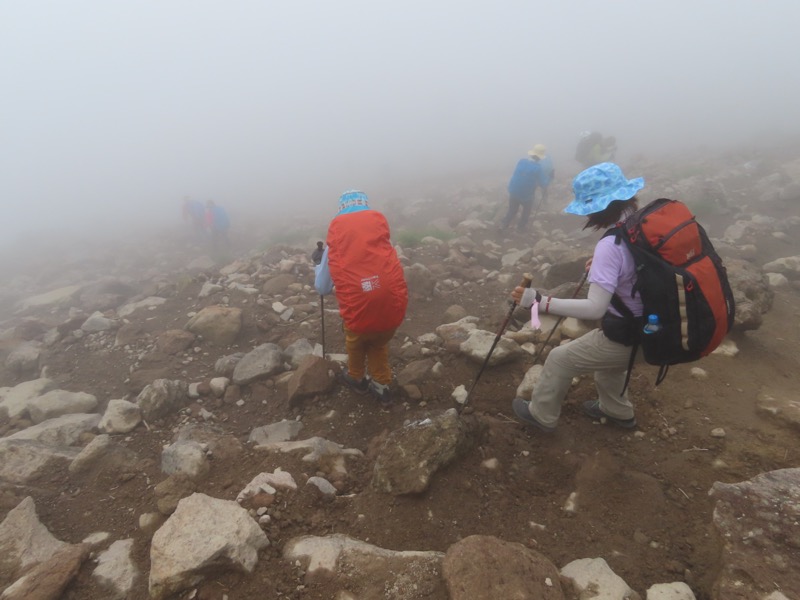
x=594, y=149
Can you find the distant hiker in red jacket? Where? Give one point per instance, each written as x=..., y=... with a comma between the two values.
x=362, y=264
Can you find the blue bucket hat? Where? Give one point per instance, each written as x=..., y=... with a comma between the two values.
x=352, y=201
x=598, y=186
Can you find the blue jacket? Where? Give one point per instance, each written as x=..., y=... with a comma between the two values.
x=525, y=179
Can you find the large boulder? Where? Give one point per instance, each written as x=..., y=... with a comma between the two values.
x=412, y=454
x=60, y=402
x=203, y=535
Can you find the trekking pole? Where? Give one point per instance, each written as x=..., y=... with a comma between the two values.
x=558, y=322
x=526, y=283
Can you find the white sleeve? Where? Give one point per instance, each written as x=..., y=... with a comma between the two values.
x=591, y=308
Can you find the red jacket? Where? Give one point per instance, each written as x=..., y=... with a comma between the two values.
x=370, y=286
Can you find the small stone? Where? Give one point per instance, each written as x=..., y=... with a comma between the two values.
x=719, y=432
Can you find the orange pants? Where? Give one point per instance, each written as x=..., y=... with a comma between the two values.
x=372, y=349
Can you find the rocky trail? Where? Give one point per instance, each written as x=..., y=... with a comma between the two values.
x=171, y=430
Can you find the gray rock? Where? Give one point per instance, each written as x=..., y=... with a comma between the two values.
x=60, y=402
x=297, y=351
x=261, y=362
x=454, y=313
x=24, y=358
x=65, y=430
x=670, y=591
x=751, y=292
x=282, y=431
x=116, y=571
x=415, y=372
x=24, y=541
x=477, y=345
x=411, y=455
x=121, y=416
x=14, y=402
x=454, y=334
x=56, y=297
x=174, y=341
x=204, y=534
x=323, y=485
x=226, y=365
x=317, y=451
x=366, y=571
x=420, y=281
x=47, y=580
x=148, y=303
x=185, y=457
x=593, y=578
x=21, y=461
x=757, y=524
x=98, y=322
x=90, y=454
x=161, y=397
x=788, y=266
x=217, y=324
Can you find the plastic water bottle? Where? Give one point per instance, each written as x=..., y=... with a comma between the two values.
x=652, y=324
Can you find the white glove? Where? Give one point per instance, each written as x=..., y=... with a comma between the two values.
x=528, y=296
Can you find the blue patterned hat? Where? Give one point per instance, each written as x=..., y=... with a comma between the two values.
x=598, y=186
x=352, y=201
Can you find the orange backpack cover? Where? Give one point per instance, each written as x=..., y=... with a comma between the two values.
x=370, y=286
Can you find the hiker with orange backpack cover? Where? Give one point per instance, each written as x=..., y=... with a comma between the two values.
x=361, y=265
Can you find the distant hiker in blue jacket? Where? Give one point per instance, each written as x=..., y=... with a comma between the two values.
x=522, y=187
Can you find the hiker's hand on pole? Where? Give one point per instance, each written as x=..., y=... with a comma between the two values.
x=524, y=296
x=519, y=291
x=589, y=263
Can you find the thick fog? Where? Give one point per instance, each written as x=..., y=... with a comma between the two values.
x=113, y=112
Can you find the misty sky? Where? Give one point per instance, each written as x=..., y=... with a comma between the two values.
x=113, y=111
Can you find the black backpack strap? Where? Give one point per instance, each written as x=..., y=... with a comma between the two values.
x=662, y=373
x=631, y=360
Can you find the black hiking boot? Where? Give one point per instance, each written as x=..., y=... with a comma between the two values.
x=381, y=393
x=592, y=409
x=359, y=387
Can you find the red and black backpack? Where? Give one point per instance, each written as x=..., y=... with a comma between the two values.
x=681, y=279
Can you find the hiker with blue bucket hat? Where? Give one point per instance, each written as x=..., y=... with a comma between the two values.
x=605, y=196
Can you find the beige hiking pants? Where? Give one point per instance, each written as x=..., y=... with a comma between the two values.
x=593, y=352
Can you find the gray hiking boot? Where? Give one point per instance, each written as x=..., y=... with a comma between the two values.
x=592, y=409
x=520, y=408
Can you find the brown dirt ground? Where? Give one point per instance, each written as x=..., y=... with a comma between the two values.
x=643, y=502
